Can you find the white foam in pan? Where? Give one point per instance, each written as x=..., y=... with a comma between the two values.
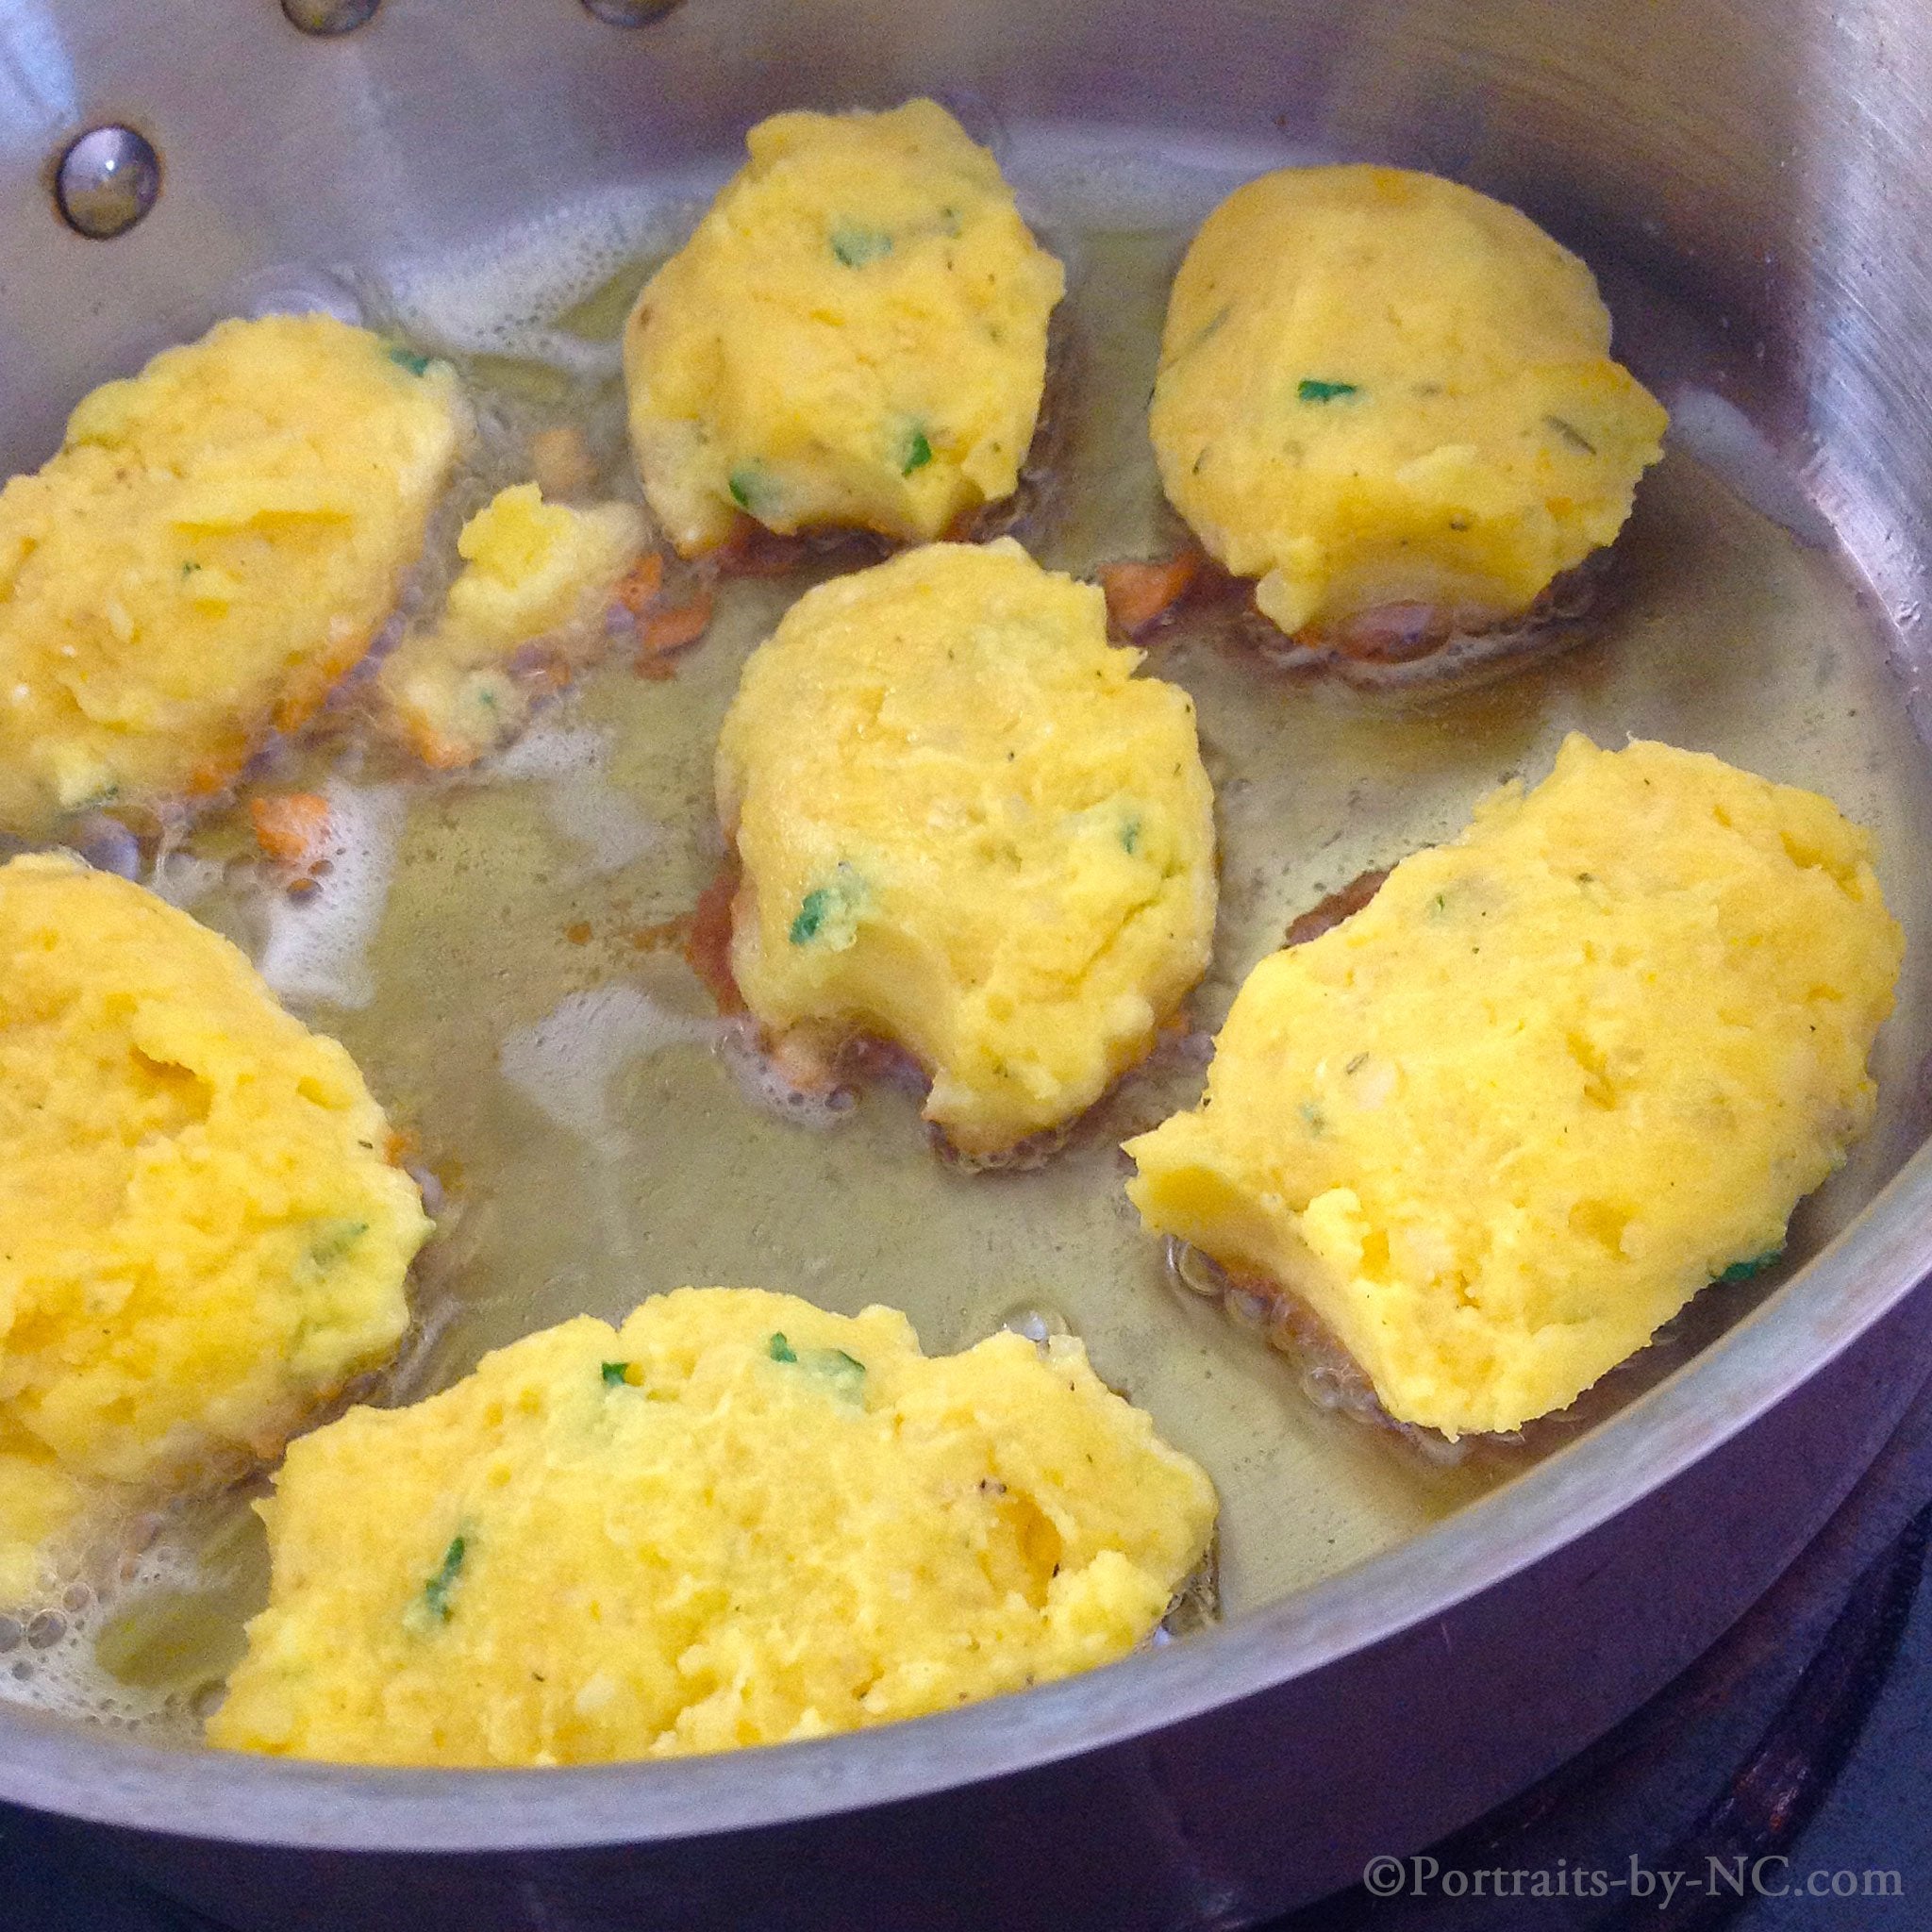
x=565, y=1062
x=569, y=761
x=317, y=946
x=47, y=1651
x=501, y=296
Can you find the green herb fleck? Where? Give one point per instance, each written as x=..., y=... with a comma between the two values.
x=1572, y=435
x=752, y=489
x=188, y=570
x=1130, y=835
x=845, y=1372
x=616, y=1375
x=856, y=246
x=916, y=454
x=409, y=359
x=1743, y=1271
x=433, y=1606
x=813, y=911
x=1312, y=389
x=1438, y=904
x=1313, y=1117
x=335, y=1241
x=830, y=913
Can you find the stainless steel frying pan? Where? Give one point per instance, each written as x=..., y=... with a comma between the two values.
x=1402, y=1645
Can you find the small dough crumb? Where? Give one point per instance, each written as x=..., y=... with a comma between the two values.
x=534, y=573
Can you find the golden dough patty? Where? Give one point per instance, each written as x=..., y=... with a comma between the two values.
x=965, y=826
x=201, y=1236
x=1379, y=388
x=855, y=336
x=532, y=571
x=734, y=1520
x=1501, y=1125
x=217, y=542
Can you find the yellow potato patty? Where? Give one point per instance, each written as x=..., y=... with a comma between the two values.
x=201, y=1237
x=966, y=826
x=533, y=572
x=1378, y=388
x=855, y=336
x=737, y=1519
x=217, y=542
x=1500, y=1126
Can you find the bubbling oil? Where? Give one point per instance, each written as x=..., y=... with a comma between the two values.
x=483, y=942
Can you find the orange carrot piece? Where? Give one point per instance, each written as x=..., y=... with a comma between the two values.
x=1140, y=595
x=638, y=586
x=675, y=626
x=291, y=825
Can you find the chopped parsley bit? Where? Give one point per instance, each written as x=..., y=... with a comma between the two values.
x=916, y=452
x=856, y=246
x=1312, y=390
x=1438, y=904
x=812, y=910
x=1572, y=435
x=617, y=1374
x=1130, y=835
x=1210, y=328
x=188, y=570
x=747, y=488
x=409, y=359
x=335, y=1241
x=949, y=221
x=845, y=1373
x=1743, y=1271
x=830, y=913
x=433, y=1606
x=1313, y=1117
x=1357, y=1064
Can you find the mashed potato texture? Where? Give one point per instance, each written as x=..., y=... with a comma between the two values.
x=201, y=1237
x=855, y=336
x=534, y=573
x=737, y=1519
x=1378, y=389
x=966, y=826
x=1500, y=1126
x=217, y=543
